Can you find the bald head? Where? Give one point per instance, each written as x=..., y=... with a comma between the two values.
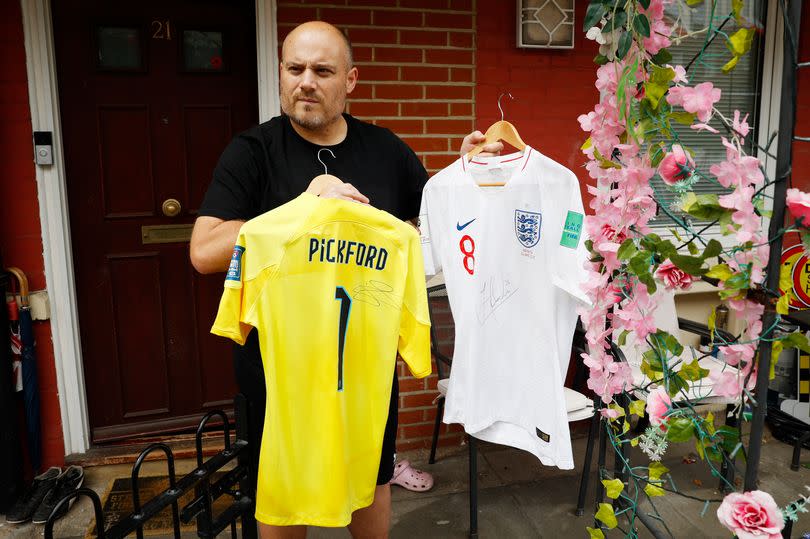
x=319, y=30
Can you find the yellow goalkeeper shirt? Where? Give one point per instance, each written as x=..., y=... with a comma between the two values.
x=335, y=290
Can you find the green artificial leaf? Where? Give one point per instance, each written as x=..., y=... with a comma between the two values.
x=652, y=490
x=713, y=248
x=738, y=281
x=623, y=338
x=617, y=22
x=679, y=429
x=683, y=118
x=644, y=3
x=739, y=43
x=594, y=533
x=596, y=10
x=613, y=487
x=693, y=250
x=641, y=25
x=648, y=371
x=640, y=263
x=699, y=448
x=653, y=92
x=650, y=241
x=731, y=64
x=648, y=280
x=783, y=305
x=796, y=340
x=627, y=249
x=693, y=3
x=663, y=57
x=704, y=207
x=600, y=59
x=708, y=424
x=656, y=470
x=736, y=9
x=624, y=45
x=674, y=232
x=693, y=372
x=676, y=384
x=712, y=322
x=776, y=349
x=720, y=271
x=637, y=407
x=692, y=265
x=666, y=249
x=606, y=515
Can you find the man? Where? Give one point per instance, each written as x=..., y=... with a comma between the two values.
x=273, y=163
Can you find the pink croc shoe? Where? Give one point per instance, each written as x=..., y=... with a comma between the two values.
x=410, y=478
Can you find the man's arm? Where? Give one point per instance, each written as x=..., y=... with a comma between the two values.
x=212, y=242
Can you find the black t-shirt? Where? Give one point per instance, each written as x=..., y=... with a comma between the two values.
x=271, y=164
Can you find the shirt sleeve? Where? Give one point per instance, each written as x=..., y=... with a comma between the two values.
x=234, y=318
x=413, y=183
x=414, y=328
x=430, y=254
x=568, y=262
x=235, y=189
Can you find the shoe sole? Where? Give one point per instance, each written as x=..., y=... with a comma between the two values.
x=70, y=504
x=20, y=521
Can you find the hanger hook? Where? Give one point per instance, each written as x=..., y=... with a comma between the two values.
x=499, y=102
x=325, y=171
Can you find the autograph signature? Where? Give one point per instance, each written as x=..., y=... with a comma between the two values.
x=376, y=293
x=494, y=293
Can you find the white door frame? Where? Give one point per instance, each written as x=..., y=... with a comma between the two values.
x=53, y=204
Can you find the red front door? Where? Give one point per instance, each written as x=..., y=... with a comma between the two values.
x=150, y=94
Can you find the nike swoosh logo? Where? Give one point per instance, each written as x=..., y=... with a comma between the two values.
x=462, y=227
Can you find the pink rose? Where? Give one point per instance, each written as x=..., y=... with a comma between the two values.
x=672, y=276
x=658, y=404
x=798, y=204
x=676, y=165
x=751, y=515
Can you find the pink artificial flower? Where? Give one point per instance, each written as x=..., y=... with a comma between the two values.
x=609, y=413
x=698, y=100
x=751, y=515
x=736, y=354
x=680, y=74
x=798, y=204
x=726, y=384
x=658, y=404
x=677, y=165
x=659, y=37
x=741, y=127
x=672, y=276
x=740, y=200
x=704, y=127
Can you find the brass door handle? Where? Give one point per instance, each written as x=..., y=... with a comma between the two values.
x=171, y=207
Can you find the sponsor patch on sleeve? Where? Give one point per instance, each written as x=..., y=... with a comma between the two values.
x=235, y=269
x=572, y=230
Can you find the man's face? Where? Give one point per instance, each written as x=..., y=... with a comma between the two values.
x=315, y=78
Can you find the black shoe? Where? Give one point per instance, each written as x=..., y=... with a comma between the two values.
x=70, y=480
x=22, y=510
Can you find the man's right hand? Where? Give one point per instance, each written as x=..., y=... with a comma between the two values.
x=474, y=139
x=212, y=242
x=345, y=191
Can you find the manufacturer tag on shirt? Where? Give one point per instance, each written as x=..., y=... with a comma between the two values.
x=542, y=435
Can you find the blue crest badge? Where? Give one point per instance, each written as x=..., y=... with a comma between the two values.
x=527, y=227
x=235, y=269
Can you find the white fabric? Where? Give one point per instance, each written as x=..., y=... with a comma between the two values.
x=574, y=400
x=514, y=305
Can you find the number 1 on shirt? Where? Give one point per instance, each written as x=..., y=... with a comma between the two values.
x=345, y=309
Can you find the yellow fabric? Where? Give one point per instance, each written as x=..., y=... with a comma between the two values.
x=321, y=446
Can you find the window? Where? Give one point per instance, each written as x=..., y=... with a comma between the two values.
x=119, y=48
x=202, y=51
x=740, y=89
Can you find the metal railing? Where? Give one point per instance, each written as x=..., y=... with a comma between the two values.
x=234, y=483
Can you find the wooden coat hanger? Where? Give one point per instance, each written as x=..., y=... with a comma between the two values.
x=319, y=183
x=499, y=131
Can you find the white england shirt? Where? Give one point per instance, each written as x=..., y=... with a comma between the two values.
x=512, y=259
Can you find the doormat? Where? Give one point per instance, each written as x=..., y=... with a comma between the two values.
x=117, y=505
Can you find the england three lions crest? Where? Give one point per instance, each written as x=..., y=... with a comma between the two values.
x=527, y=227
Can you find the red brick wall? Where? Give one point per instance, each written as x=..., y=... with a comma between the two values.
x=416, y=77
x=415, y=62
x=20, y=232
x=551, y=87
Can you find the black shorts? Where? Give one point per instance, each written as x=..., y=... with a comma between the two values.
x=388, y=456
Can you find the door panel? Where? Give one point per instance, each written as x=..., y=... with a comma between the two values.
x=150, y=94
